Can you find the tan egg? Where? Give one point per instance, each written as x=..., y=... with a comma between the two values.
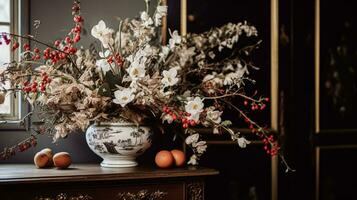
x=41, y=159
x=49, y=153
x=62, y=160
x=179, y=157
x=164, y=159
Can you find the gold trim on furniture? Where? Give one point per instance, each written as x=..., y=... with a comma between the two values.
x=274, y=57
x=317, y=66
x=317, y=173
x=164, y=26
x=183, y=17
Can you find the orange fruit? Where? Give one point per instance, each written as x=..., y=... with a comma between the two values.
x=164, y=159
x=62, y=160
x=41, y=159
x=179, y=157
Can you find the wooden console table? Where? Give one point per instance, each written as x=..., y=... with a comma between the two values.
x=86, y=181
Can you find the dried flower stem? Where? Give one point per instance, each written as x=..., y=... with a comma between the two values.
x=234, y=94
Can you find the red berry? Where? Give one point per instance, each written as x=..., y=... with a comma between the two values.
x=57, y=43
x=262, y=107
x=15, y=46
x=36, y=50
x=47, y=50
x=68, y=40
x=26, y=47
x=245, y=103
x=184, y=120
x=192, y=123
x=185, y=125
x=266, y=99
x=165, y=108
x=77, y=18
x=62, y=55
x=110, y=61
x=77, y=29
x=73, y=50
x=77, y=38
x=174, y=117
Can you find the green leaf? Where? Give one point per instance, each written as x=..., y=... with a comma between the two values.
x=226, y=123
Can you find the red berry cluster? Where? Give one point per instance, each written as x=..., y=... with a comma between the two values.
x=36, y=55
x=271, y=146
x=53, y=55
x=30, y=142
x=68, y=42
x=182, y=116
x=78, y=20
x=35, y=87
x=117, y=58
x=260, y=105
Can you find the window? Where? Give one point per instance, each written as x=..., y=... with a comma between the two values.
x=10, y=109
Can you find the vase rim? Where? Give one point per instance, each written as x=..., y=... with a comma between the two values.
x=118, y=124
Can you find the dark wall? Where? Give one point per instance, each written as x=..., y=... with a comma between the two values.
x=56, y=21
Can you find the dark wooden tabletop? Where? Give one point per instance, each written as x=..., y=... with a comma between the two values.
x=28, y=173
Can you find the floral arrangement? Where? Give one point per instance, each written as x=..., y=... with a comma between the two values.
x=135, y=77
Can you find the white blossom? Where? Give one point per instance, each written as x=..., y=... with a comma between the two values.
x=123, y=97
x=231, y=78
x=160, y=12
x=200, y=146
x=175, y=39
x=168, y=118
x=192, y=138
x=169, y=77
x=164, y=52
x=214, y=116
x=146, y=19
x=242, y=142
x=103, y=65
x=194, y=117
x=136, y=72
x=186, y=54
x=102, y=33
x=104, y=54
x=193, y=160
x=194, y=106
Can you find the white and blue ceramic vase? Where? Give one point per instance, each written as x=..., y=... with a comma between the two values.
x=118, y=143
